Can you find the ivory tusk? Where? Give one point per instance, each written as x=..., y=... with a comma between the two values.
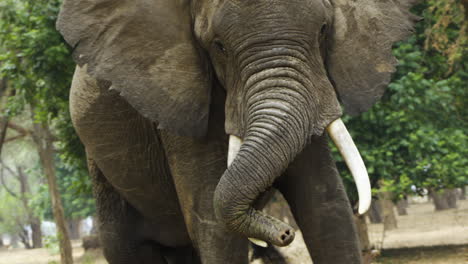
x=343, y=141
x=258, y=242
x=234, y=146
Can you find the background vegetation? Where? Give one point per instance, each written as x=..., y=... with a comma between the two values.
x=413, y=141
x=415, y=138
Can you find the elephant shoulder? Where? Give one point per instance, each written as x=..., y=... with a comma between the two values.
x=91, y=100
x=100, y=114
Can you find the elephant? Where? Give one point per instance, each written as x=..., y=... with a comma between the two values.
x=192, y=111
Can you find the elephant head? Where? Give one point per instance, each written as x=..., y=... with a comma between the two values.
x=285, y=66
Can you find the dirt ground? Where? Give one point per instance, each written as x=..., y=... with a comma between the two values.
x=431, y=255
x=423, y=237
x=424, y=227
x=45, y=256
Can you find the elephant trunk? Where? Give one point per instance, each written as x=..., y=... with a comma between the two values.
x=279, y=122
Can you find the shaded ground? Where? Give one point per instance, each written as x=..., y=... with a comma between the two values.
x=428, y=255
x=421, y=227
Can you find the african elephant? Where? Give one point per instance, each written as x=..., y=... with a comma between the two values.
x=162, y=86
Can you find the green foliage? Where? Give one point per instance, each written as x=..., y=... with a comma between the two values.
x=13, y=215
x=416, y=135
x=38, y=65
x=449, y=27
x=36, y=61
x=52, y=244
x=76, y=199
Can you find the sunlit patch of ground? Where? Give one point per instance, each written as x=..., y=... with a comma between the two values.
x=421, y=227
x=45, y=256
x=424, y=227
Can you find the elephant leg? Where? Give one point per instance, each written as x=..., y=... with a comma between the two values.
x=319, y=203
x=196, y=167
x=118, y=221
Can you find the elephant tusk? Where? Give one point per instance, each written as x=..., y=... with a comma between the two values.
x=234, y=146
x=343, y=141
x=258, y=242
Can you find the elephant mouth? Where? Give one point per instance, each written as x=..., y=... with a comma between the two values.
x=345, y=144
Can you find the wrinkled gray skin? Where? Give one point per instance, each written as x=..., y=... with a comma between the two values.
x=160, y=86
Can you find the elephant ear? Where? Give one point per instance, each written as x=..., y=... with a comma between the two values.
x=146, y=49
x=360, y=61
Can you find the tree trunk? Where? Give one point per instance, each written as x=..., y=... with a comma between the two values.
x=44, y=141
x=389, y=218
x=462, y=193
x=74, y=228
x=3, y=130
x=34, y=221
x=14, y=241
x=4, y=119
x=36, y=233
x=444, y=199
x=451, y=196
x=375, y=212
x=439, y=202
x=24, y=238
x=364, y=241
x=465, y=5
x=401, y=207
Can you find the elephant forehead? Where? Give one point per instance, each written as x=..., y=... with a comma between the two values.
x=261, y=14
x=204, y=10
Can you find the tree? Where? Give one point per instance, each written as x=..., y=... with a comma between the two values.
x=38, y=65
x=78, y=202
x=415, y=135
x=13, y=217
x=4, y=119
x=44, y=142
x=17, y=184
x=22, y=194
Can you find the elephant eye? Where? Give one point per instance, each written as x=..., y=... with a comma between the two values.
x=323, y=29
x=219, y=46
